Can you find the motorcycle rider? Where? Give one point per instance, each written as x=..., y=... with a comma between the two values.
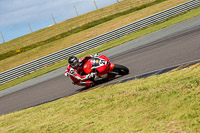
x=75, y=71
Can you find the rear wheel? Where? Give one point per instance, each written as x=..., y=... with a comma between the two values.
x=120, y=69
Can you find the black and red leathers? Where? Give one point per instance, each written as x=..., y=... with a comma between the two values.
x=76, y=74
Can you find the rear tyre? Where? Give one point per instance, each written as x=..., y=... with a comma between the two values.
x=120, y=69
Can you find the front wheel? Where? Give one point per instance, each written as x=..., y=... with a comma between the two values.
x=120, y=69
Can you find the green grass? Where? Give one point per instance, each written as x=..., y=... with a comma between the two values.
x=163, y=103
x=11, y=51
x=79, y=37
x=76, y=30
x=188, y=15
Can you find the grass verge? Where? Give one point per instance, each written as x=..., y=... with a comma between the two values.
x=70, y=24
x=162, y=103
x=188, y=15
x=76, y=30
x=79, y=37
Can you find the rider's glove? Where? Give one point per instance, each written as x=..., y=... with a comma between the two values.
x=66, y=74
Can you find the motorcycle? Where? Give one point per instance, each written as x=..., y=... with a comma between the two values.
x=104, y=70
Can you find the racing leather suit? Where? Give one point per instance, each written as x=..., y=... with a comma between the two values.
x=77, y=74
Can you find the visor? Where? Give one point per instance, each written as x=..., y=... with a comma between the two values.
x=75, y=65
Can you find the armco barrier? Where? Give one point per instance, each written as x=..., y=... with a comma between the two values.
x=96, y=41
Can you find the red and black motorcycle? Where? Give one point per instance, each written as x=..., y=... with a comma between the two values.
x=104, y=69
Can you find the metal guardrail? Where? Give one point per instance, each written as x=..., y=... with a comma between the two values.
x=95, y=42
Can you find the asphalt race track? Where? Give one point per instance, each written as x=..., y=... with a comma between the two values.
x=174, y=49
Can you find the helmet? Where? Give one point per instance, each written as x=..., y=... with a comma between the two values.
x=73, y=61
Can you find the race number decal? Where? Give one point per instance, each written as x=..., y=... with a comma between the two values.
x=97, y=62
x=102, y=62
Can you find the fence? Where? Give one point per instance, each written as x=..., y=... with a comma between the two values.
x=95, y=42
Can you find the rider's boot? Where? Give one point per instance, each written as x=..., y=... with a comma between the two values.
x=86, y=83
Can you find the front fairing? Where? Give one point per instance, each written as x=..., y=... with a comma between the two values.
x=98, y=64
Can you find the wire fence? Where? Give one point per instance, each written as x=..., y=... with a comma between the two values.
x=95, y=42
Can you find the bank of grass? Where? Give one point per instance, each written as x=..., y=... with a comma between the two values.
x=68, y=41
x=76, y=30
x=72, y=26
x=163, y=103
x=188, y=15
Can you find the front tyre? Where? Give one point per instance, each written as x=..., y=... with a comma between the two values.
x=120, y=69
